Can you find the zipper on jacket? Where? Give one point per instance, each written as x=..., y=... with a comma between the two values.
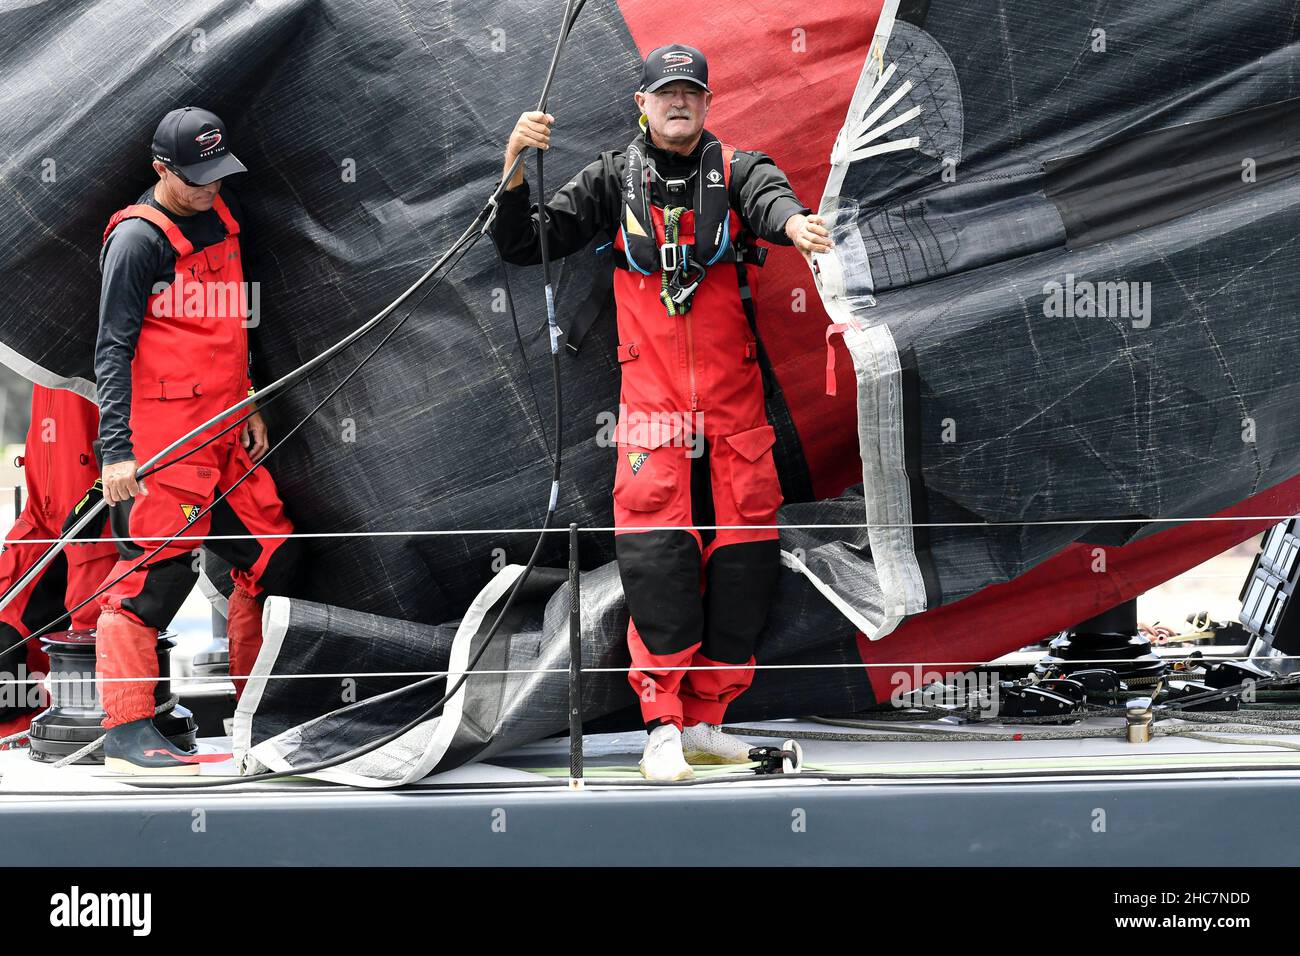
x=690, y=363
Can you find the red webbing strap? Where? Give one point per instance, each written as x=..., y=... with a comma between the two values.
x=180, y=244
x=835, y=328
x=227, y=220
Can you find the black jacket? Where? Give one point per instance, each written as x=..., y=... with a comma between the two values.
x=590, y=205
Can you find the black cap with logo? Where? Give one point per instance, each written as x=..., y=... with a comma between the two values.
x=674, y=62
x=195, y=142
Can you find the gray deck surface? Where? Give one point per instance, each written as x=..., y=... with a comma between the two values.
x=1060, y=802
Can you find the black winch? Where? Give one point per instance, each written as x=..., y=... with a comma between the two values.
x=74, y=715
x=1112, y=637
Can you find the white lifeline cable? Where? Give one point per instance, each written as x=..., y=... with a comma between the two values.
x=930, y=665
x=601, y=529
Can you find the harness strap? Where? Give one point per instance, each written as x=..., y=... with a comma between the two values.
x=227, y=220
x=601, y=294
x=736, y=252
x=180, y=245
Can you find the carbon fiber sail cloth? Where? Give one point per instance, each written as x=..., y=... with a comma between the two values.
x=1066, y=275
x=373, y=133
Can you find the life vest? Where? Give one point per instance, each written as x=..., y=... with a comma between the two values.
x=687, y=242
x=653, y=238
x=645, y=244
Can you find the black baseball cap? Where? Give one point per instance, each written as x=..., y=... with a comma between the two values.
x=195, y=141
x=667, y=64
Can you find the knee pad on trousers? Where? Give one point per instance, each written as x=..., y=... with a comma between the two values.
x=660, y=571
x=153, y=594
x=742, y=580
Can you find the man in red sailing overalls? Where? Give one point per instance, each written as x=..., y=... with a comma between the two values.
x=694, y=443
x=59, y=468
x=173, y=352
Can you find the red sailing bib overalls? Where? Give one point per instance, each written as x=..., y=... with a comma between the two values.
x=694, y=447
x=59, y=467
x=191, y=363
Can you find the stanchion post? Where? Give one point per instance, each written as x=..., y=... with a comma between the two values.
x=575, y=665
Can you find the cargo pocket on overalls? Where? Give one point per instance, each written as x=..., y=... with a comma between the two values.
x=22, y=528
x=177, y=495
x=649, y=466
x=754, y=483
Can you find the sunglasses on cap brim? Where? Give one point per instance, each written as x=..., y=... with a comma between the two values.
x=178, y=174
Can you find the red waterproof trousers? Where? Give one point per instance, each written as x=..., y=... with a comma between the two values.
x=694, y=448
x=191, y=363
x=59, y=468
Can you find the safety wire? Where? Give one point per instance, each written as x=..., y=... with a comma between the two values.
x=782, y=526
x=572, y=9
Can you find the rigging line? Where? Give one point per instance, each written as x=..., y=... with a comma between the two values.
x=284, y=382
x=482, y=221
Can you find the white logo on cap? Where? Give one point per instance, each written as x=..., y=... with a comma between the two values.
x=677, y=58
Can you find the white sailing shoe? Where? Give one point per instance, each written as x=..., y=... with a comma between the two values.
x=706, y=743
x=663, y=758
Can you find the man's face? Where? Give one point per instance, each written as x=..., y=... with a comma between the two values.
x=676, y=111
x=196, y=198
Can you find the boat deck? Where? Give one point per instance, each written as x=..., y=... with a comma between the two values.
x=1094, y=801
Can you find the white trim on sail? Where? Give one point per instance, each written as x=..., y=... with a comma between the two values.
x=845, y=284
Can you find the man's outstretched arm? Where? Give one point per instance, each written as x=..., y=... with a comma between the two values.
x=767, y=204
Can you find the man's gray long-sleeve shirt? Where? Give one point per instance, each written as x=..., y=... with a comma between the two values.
x=590, y=205
x=137, y=259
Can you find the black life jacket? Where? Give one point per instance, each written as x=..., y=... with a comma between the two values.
x=709, y=201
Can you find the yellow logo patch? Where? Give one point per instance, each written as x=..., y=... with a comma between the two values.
x=190, y=512
x=636, y=459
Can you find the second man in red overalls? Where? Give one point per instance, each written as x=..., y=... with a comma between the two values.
x=173, y=352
